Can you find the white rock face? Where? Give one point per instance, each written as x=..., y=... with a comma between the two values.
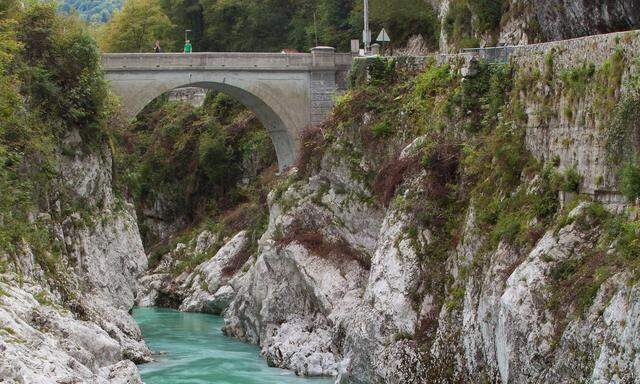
x=321, y=312
x=394, y=274
x=73, y=325
x=109, y=257
x=326, y=314
x=208, y=288
x=43, y=343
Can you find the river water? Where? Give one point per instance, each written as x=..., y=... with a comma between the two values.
x=197, y=352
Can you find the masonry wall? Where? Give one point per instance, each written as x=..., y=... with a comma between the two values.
x=574, y=126
x=563, y=124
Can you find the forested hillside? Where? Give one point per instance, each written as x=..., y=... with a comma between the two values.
x=93, y=11
x=263, y=25
x=271, y=25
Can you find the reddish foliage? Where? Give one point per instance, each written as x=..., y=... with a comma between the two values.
x=315, y=242
x=268, y=176
x=238, y=218
x=391, y=175
x=442, y=168
x=238, y=261
x=310, y=149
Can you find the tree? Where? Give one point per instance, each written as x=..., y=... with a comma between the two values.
x=93, y=11
x=6, y=7
x=334, y=25
x=185, y=14
x=61, y=68
x=402, y=19
x=136, y=27
x=247, y=25
x=9, y=47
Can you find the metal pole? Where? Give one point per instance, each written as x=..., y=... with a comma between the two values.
x=315, y=26
x=367, y=33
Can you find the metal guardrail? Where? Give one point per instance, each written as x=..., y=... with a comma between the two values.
x=492, y=54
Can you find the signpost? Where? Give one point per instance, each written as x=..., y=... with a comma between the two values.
x=383, y=38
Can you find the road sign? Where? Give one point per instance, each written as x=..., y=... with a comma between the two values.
x=383, y=37
x=355, y=46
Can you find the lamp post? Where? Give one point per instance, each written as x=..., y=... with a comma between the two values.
x=186, y=31
x=366, y=34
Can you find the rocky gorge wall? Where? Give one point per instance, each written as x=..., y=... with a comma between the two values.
x=68, y=321
x=454, y=221
x=447, y=228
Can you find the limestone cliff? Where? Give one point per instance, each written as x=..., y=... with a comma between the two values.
x=449, y=228
x=67, y=319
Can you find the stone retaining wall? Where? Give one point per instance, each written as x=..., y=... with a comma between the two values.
x=579, y=141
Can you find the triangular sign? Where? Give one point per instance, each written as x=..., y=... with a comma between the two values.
x=383, y=37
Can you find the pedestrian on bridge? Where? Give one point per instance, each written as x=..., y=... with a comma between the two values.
x=187, y=46
x=157, y=48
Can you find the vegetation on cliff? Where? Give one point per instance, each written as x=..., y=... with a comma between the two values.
x=51, y=84
x=196, y=167
x=469, y=153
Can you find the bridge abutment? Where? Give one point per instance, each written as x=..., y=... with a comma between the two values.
x=323, y=85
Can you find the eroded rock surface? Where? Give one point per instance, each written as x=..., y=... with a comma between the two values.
x=66, y=319
x=208, y=288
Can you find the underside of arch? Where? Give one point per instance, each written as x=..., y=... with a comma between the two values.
x=284, y=143
x=281, y=110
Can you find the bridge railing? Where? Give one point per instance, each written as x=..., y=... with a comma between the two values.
x=220, y=60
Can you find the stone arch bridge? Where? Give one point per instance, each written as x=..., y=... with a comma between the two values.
x=287, y=92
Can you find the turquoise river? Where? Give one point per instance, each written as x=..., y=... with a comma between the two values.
x=196, y=352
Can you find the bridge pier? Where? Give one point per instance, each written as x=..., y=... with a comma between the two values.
x=287, y=92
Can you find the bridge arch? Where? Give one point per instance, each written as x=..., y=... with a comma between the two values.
x=287, y=92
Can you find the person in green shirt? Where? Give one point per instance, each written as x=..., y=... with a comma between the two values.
x=187, y=46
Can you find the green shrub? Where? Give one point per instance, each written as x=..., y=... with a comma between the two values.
x=382, y=129
x=625, y=235
x=564, y=270
x=507, y=228
x=456, y=298
x=433, y=80
x=571, y=180
x=630, y=180
x=576, y=80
